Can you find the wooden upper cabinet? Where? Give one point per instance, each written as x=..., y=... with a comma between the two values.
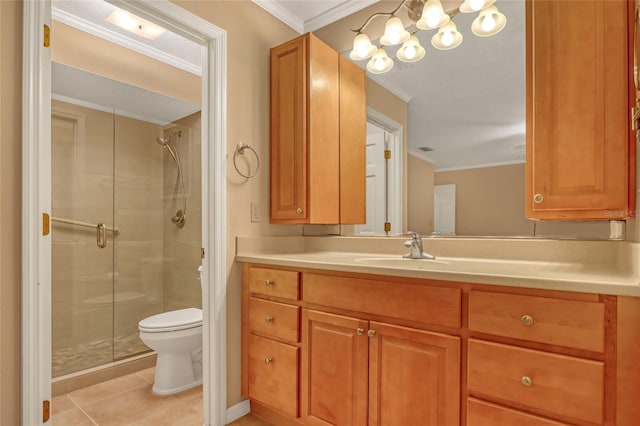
x=318, y=119
x=580, y=156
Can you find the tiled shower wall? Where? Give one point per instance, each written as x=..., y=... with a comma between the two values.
x=150, y=266
x=182, y=245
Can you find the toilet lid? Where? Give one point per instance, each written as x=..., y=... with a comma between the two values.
x=171, y=321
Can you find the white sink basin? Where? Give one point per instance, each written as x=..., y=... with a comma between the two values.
x=401, y=262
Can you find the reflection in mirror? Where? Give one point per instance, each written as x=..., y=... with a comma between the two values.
x=465, y=129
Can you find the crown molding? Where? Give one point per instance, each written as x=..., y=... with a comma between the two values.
x=274, y=8
x=336, y=13
x=421, y=155
x=129, y=43
x=301, y=26
x=478, y=166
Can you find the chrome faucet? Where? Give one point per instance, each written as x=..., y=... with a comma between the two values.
x=415, y=245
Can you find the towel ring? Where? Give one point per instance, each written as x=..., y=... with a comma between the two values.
x=241, y=148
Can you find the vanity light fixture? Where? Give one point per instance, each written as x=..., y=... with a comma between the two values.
x=424, y=15
x=132, y=23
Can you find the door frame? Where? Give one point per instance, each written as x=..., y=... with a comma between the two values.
x=395, y=173
x=36, y=201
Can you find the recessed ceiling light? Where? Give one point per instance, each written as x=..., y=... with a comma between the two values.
x=132, y=23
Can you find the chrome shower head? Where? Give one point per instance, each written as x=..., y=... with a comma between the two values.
x=167, y=141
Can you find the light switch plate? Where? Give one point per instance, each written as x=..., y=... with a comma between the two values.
x=255, y=213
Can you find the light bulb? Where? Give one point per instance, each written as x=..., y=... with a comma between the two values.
x=362, y=47
x=488, y=23
x=394, y=32
x=432, y=18
x=476, y=4
x=410, y=52
x=378, y=63
x=447, y=38
x=362, y=51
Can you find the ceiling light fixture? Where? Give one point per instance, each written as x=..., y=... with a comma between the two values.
x=425, y=15
x=132, y=23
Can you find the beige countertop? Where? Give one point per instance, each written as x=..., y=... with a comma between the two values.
x=549, y=265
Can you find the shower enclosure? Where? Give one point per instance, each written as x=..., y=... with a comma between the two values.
x=123, y=246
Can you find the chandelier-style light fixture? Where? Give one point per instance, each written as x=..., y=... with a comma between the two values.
x=425, y=15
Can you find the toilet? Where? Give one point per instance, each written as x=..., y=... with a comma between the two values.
x=177, y=338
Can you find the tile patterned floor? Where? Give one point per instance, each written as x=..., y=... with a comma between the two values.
x=128, y=401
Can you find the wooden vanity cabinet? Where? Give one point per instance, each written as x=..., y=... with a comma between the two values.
x=380, y=350
x=396, y=375
x=318, y=135
x=580, y=153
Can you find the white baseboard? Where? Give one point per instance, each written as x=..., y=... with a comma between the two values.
x=240, y=409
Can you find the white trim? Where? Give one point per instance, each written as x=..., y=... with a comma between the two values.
x=36, y=200
x=345, y=9
x=478, y=166
x=421, y=155
x=395, y=175
x=36, y=271
x=239, y=410
x=302, y=26
x=106, y=109
x=124, y=41
x=282, y=13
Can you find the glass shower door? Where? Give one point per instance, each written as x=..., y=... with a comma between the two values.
x=82, y=149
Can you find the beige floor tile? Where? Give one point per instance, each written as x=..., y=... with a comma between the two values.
x=105, y=390
x=187, y=413
x=250, y=420
x=147, y=374
x=72, y=417
x=134, y=405
x=61, y=403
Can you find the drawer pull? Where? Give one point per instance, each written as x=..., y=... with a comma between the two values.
x=359, y=331
x=371, y=333
x=268, y=319
x=527, y=320
x=526, y=381
x=268, y=282
x=268, y=361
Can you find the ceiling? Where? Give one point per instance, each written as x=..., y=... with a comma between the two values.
x=467, y=104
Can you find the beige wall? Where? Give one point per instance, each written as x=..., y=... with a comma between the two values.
x=419, y=195
x=489, y=200
x=10, y=212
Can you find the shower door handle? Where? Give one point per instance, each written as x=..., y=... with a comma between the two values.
x=101, y=235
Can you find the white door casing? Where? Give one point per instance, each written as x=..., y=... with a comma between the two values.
x=376, y=183
x=36, y=252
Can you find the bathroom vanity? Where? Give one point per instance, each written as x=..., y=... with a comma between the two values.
x=350, y=338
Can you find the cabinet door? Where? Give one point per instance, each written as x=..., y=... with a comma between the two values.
x=414, y=377
x=334, y=370
x=289, y=168
x=577, y=119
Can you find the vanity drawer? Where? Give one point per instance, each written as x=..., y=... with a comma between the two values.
x=574, y=324
x=556, y=384
x=275, y=319
x=274, y=282
x=480, y=413
x=411, y=302
x=273, y=374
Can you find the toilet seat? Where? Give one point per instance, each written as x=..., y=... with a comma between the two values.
x=172, y=321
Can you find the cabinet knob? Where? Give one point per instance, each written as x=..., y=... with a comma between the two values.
x=268, y=319
x=268, y=282
x=371, y=333
x=538, y=198
x=359, y=331
x=527, y=320
x=298, y=210
x=268, y=361
x=526, y=381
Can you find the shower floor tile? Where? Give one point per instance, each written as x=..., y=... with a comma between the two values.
x=100, y=352
x=128, y=401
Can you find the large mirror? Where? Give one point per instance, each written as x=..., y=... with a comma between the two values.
x=463, y=169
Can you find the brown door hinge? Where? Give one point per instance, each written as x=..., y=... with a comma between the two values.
x=47, y=36
x=46, y=411
x=46, y=224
